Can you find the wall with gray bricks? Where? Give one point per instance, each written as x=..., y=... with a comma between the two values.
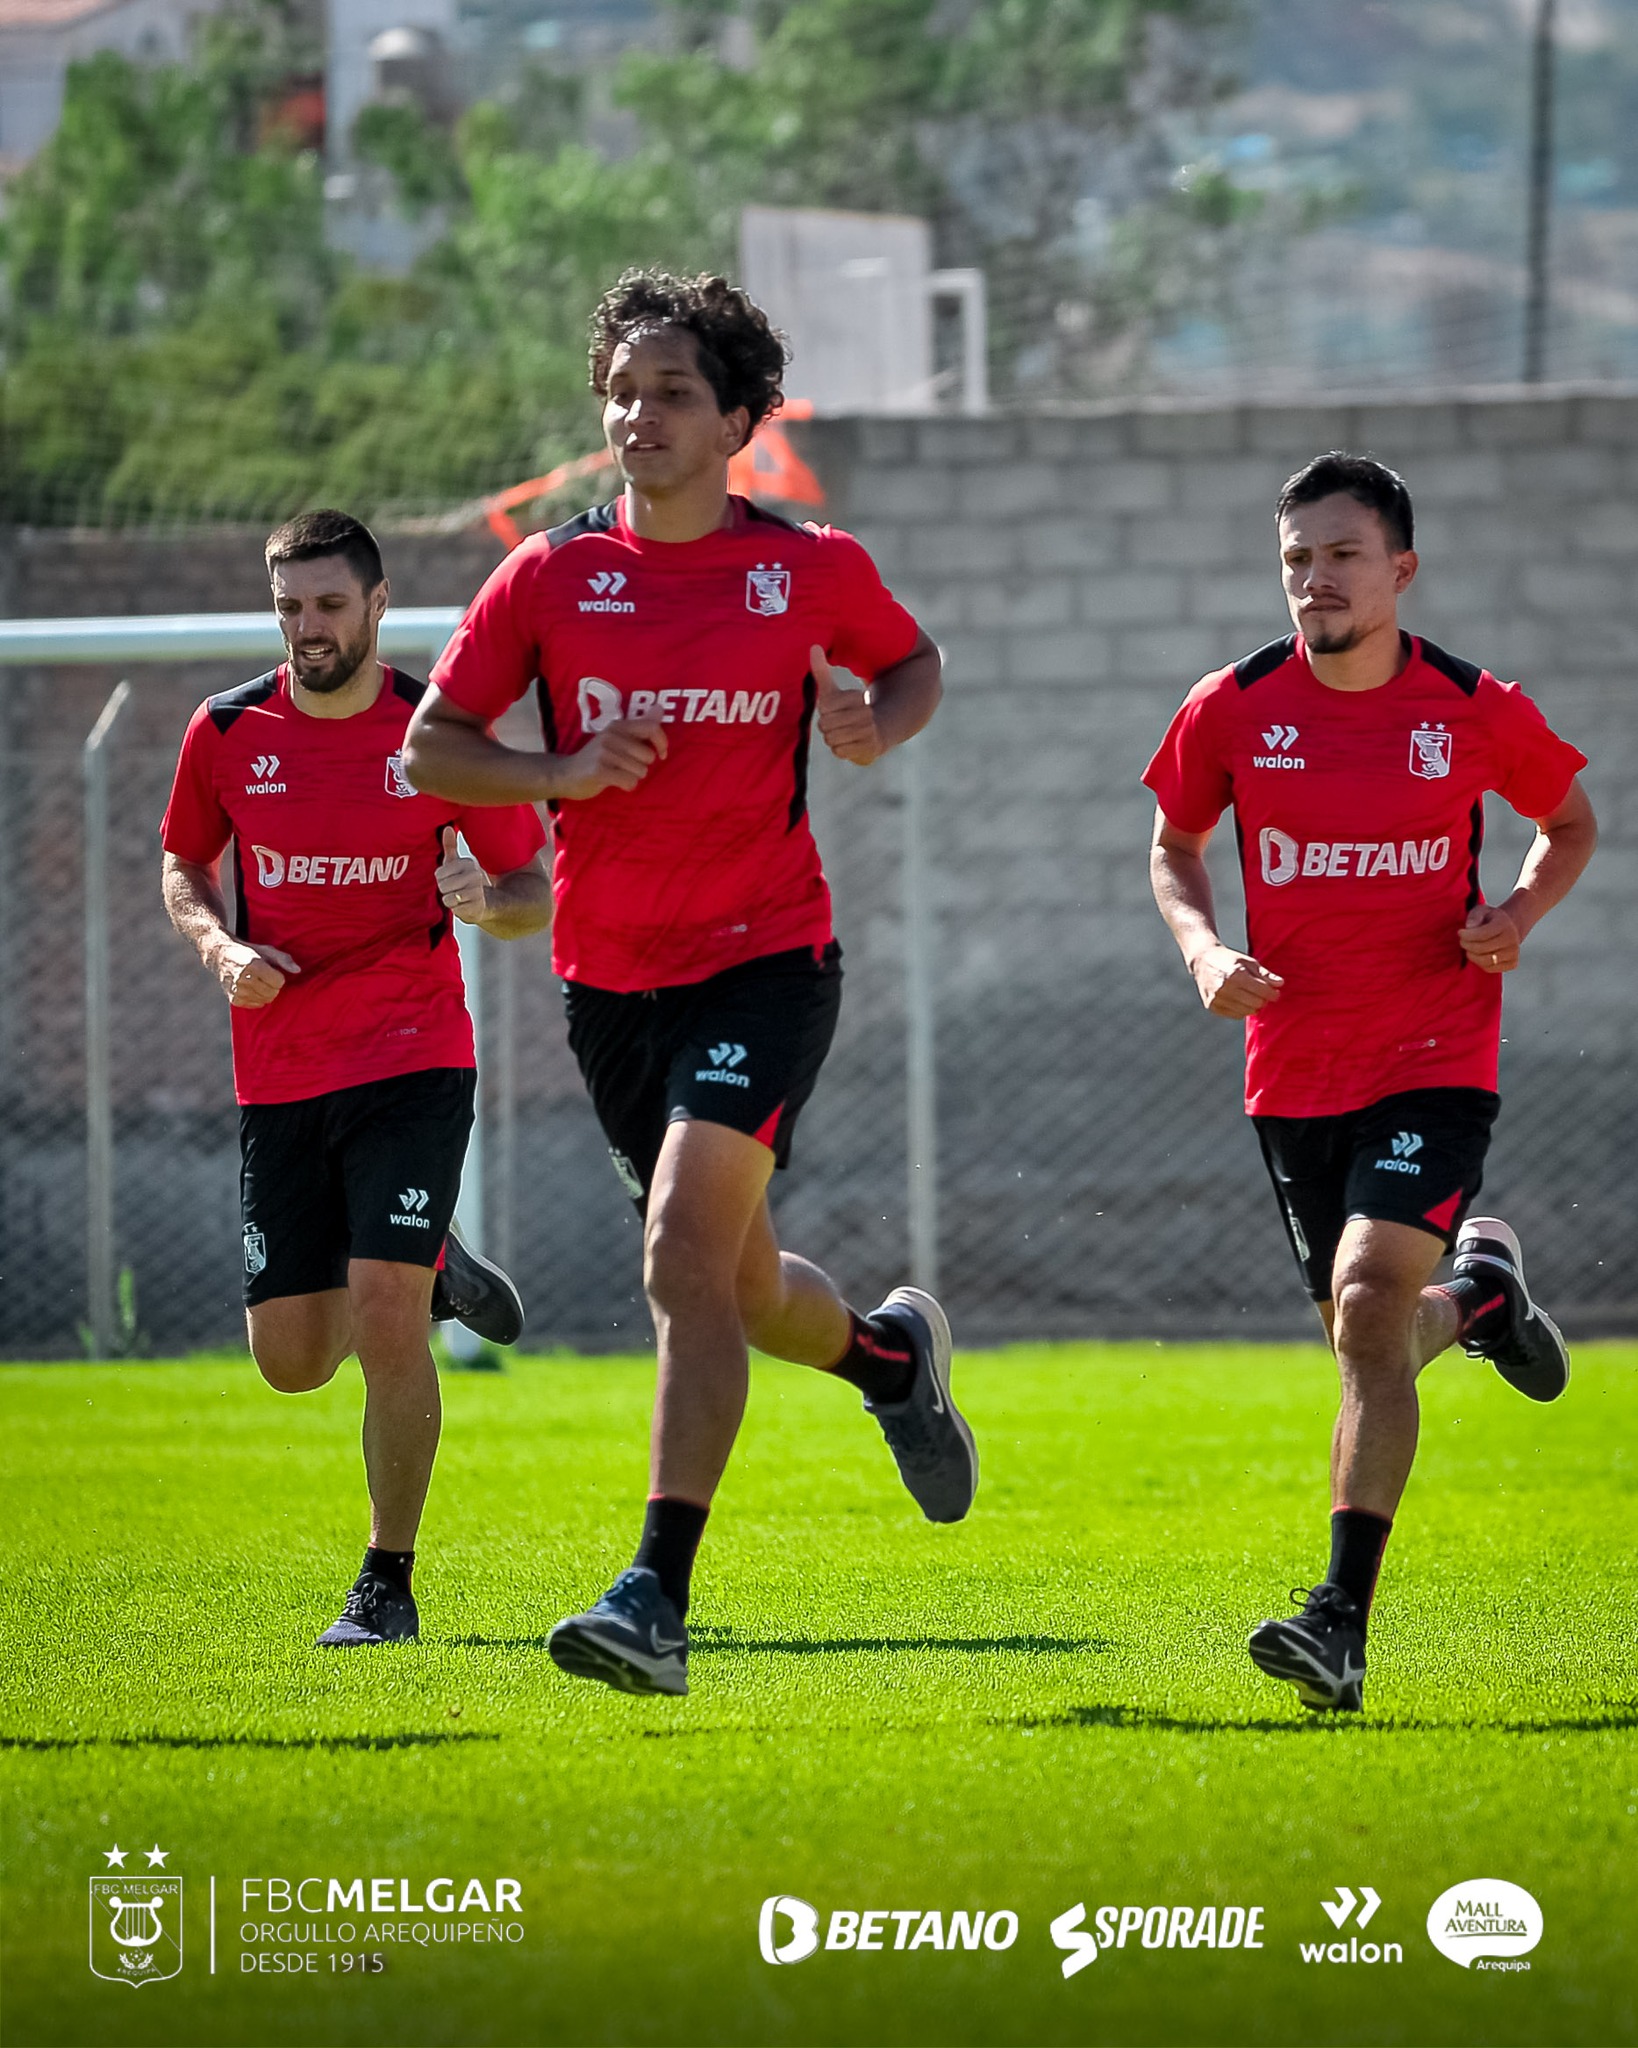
x=1080, y=571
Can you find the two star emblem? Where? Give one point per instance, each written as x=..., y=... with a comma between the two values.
x=115, y=1856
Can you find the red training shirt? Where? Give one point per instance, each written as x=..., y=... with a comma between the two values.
x=334, y=855
x=710, y=860
x=1360, y=816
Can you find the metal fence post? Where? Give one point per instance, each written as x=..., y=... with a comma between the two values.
x=101, y=1310
x=921, y=1076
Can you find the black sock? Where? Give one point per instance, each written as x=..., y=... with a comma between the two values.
x=671, y=1534
x=1481, y=1307
x=392, y=1565
x=879, y=1361
x=1358, y=1539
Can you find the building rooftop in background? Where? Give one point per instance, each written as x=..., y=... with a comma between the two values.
x=39, y=39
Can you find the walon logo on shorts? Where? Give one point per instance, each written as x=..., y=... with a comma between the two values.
x=1485, y=1924
x=1342, y=859
x=412, y=1201
x=327, y=870
x=1405, y=1146
x=601, y=704
x=724, y=1059
x=865, y=1930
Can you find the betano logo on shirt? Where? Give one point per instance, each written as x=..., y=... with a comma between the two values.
x=327, y=870
x=1347, y=859
x=601, y=704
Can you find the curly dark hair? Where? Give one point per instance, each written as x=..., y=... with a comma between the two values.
x=742, y=355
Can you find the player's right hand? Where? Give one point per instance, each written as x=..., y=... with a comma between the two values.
x=252, y=976
x=1234, y=984
x=618, y=757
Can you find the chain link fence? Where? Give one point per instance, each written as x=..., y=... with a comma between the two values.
x=1092, y=1174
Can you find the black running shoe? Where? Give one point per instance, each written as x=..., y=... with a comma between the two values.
x=633, y=1639
x=1320, y=1651
x=377, y=1611
x=473, y=1290
x=1526, y=1348
x=926, y=1432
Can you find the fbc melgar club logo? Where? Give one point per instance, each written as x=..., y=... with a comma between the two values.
x=788, y=1929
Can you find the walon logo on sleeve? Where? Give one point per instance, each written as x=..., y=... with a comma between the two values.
x=1485, y=1924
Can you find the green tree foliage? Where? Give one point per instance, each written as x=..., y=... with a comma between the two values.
x=181, y=341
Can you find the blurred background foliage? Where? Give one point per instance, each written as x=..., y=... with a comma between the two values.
x=182, y=338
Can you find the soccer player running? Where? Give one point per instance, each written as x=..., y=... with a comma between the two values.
x=683, y=641
x=352, y=1046
x=1356, y=759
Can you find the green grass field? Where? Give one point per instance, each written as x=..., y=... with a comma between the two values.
x=1048, y=1704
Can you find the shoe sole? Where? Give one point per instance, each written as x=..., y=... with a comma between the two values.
x=359, y=1641
x=582, y=1654
x=500, y=1319
x=932, y=1314
x=1278, y=1654
x=1494, y=1227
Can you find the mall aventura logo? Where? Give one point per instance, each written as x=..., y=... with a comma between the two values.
x=1485, y=1924
x=788, y=1929
x=136, y=1920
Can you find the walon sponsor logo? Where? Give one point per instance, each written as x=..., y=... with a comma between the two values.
x=1153, y=1927
x=1485, y=1924
x=1338, y=1911
x=1281, y=738
x=870, y=1930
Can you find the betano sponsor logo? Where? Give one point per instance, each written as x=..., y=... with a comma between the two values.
x=601, y=704
x=1216, y=1927
x=327, y=870
x=1284, y=858
x=865, y=1930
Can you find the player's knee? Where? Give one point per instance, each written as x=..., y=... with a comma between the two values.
x=291, y=1369
x=1372, y=1318
x=389, y=1305
x=683, y=1271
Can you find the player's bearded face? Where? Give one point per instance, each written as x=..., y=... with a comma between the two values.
x=328, y=621
x=1342, y=576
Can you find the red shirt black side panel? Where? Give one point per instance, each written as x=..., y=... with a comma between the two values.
x=334, y=856
x=1360, y=816
x=711, y=860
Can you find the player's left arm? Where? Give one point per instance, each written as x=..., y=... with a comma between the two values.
x=1562, y=847
x=507, y=906
x=862, y=725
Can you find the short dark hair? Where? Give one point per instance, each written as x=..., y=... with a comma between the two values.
x=1360, y=477
x=742, y=354
x=313, y=534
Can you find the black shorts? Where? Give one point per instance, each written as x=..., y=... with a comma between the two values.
x=370, y=1172
x=743, y=1048
x=1416, y=1158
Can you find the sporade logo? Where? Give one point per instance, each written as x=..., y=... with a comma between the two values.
x=1155, y=1927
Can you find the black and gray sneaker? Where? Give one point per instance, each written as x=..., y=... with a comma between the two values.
x=1320, y=1651
x=377, y=1611
x=926, y=1432
x=473, y=1290
x=1526, y=1349
x=633, y=1639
